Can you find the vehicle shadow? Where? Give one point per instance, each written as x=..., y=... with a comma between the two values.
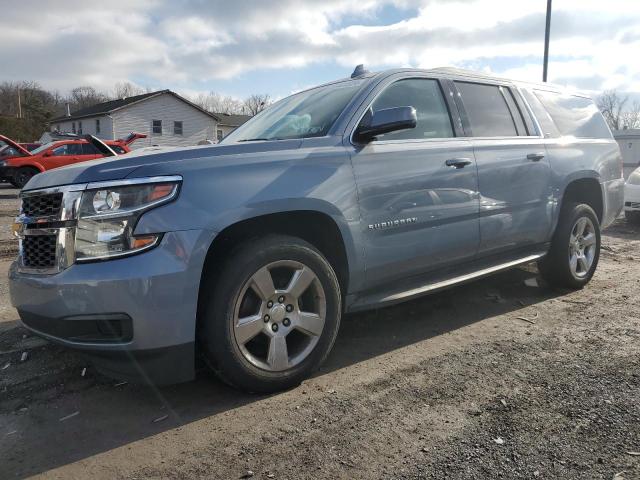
x=113, y=416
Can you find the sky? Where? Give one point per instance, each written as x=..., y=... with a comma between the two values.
x=280, y=46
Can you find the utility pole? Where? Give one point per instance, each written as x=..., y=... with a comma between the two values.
x=547, y=32
x=19, y=105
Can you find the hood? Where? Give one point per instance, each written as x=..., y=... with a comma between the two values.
x=15, y=145
x=122, y=166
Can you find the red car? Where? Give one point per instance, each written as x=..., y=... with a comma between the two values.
x=19, y=169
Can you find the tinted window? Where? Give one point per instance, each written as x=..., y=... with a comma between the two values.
x=574, y=116
x=425, y=96
x=89, y=149
x=117, y=149
x=68, y=149
x=487, y=110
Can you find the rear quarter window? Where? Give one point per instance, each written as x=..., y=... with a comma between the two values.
x=574, y=116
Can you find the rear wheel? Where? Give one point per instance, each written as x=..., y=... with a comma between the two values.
x=575, y=248
x=632, y=217
x=273, y=316
x=23, y=175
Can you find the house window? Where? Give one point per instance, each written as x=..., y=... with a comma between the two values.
x=73, y=127
x=97, y=125
x=156, y=127
x=219, y=135
x=79, y=128
x=177, y=128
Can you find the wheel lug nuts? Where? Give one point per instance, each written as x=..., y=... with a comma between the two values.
x=289, y=308
x=267, y=318
x=281, y=299
x=274, y=327
x=286, y=322
x=269, y=304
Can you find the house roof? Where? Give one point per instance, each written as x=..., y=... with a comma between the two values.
x=113, y=105
x=232, y=120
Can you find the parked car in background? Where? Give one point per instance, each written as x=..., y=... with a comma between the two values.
x=19, y=169
x=354, y=195
x=8, y=151
x=632, y=197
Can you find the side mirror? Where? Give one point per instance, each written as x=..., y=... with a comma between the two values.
x=385, y=121
x=47, y=154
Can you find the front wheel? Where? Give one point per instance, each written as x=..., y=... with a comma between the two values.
x=632, y=217
x=23, y=175
x=575, y=248
x=273, y=315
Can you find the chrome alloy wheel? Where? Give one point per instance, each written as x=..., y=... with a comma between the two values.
x=279, y=315
x=582, y=247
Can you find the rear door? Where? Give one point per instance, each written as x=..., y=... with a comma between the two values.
x=514, y=176
x=419, y=211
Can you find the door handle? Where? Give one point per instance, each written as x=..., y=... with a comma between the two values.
x=535, y=157
x=458, y=162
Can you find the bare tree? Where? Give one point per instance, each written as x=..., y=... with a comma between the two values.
x=83, y=97
x=631, y=117
x=126, y=89
x=216, y=103
x=255, y=103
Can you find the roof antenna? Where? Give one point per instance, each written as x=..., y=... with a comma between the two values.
x=359, y=71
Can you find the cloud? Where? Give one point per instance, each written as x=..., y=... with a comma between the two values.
x=180, y=43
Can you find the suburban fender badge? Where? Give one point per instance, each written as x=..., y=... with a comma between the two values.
x=392, y=223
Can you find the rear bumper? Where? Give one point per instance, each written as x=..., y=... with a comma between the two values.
x=135, y=317
x=632, y=198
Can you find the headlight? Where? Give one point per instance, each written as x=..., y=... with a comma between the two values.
x=634, y=178
x=107, y=217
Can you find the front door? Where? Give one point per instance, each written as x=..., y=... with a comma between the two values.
x=417, y=189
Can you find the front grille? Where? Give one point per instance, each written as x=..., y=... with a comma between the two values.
x=39, y=251
x=47, y=205
x=632, y=204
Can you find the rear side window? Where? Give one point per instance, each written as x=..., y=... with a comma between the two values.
x=574, y=116
x=549, y=128
x=119, y=150
x=425, y=96
x=89, y=149
x=487, y=111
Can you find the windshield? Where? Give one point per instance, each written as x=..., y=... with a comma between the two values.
x=306, y=114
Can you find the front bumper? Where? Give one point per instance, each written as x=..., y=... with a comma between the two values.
x=631, y=198
x=135, y=316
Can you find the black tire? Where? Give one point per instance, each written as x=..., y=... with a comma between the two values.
x=632, y=217
x=555, y=267
x=216, y=335
x=23, y=175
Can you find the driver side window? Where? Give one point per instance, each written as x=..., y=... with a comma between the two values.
x=433, y=120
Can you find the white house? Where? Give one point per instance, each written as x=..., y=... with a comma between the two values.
x=167, y=118
x=629, y=141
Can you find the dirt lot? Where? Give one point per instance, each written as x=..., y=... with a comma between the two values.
x=453, y=385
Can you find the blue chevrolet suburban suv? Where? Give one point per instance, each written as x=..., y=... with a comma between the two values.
x=352, y=195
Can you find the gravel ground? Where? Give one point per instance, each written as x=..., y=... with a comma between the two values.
x=453, y=385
